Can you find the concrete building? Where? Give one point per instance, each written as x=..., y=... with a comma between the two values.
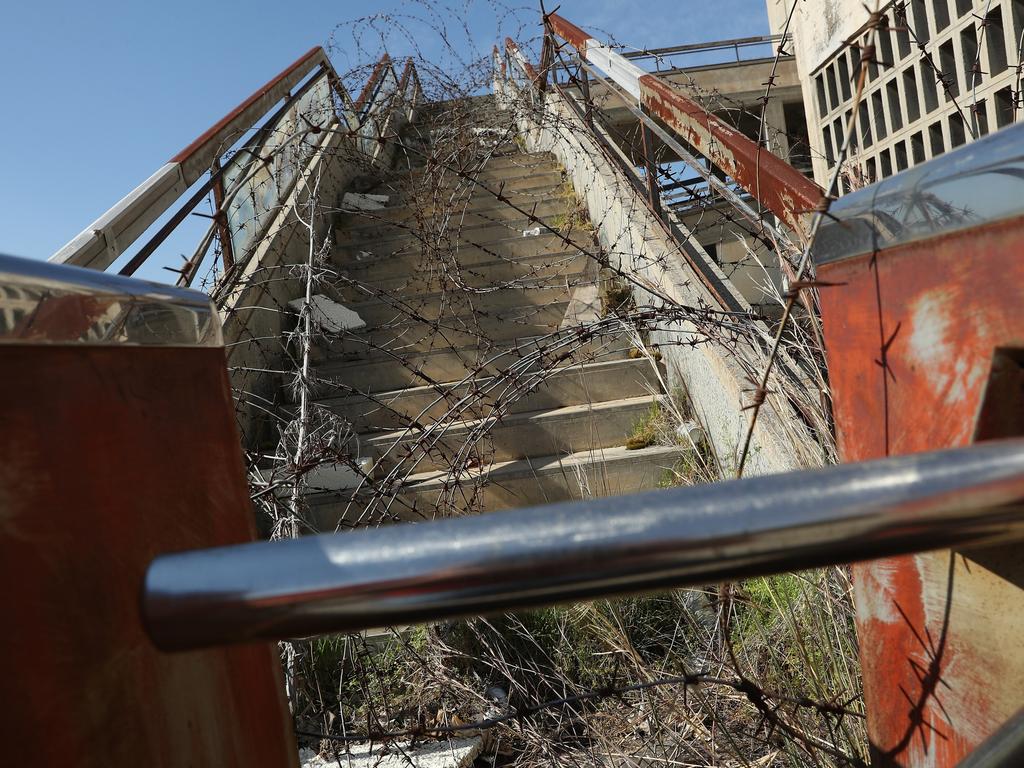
x=947, y=72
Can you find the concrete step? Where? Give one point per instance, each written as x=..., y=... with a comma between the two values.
x=504, y=485
x=547, y=432
x=453, y=220
x=501, y=167
x=404, y=335
x=479, y=202
x=565, y=266
x=424, y=193
x=456, y=302
x=400, y=240
x=408, y=257
x=445, y=366
x=500, y=162
x=569, y=385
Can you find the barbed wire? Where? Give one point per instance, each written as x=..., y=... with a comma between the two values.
x=430, y=282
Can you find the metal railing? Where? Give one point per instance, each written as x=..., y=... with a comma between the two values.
x=579, y=550
x=520, y=80
x=771, y=181
x=299, y=109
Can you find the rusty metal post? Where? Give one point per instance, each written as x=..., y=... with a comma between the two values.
x=546, y=55
x=651, y=170
x=588, y=105
x=227, y=253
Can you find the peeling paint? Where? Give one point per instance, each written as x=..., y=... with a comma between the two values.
x=875, y=592
x=909, y=335
x=931, y=318
x=776, y=184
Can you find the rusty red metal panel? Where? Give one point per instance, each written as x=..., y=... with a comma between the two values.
x=568, y=31
x=911, y=334
x=780, y=187
x=378, y=71
x=284, y=81
x=111, y=456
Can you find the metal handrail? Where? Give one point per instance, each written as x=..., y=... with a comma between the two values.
x=715, y=45
x=214, y=180
x=369, y=93
x=777, y=185
x=587, y=549
x=107, y=238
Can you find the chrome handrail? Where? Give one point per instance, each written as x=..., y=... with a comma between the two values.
x=586, y=549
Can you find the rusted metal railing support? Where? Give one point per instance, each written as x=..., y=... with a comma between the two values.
x=651, y=170
x=227, y=254
x=780, y=187
x=577, y=550
x=546, y=57
x=588, y=105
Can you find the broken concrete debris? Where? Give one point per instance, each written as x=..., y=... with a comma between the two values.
x=457, y=753
x=328, y=315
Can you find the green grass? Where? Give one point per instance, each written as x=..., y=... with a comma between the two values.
x=645, y=430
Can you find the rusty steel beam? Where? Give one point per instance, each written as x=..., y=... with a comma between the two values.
x=776, y=184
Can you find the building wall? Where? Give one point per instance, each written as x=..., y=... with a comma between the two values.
x=906, y=116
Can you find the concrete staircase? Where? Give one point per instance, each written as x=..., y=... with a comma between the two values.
x=464, y=396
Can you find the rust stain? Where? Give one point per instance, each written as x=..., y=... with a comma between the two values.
x=568, y=31
x=910, y=336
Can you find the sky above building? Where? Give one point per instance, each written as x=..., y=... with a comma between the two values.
x=99, y=95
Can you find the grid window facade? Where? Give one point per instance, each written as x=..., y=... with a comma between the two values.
x=911, y=111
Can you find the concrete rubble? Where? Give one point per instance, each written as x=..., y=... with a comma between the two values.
x=330, y=316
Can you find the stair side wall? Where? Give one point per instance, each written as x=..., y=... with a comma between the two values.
x=714, y=377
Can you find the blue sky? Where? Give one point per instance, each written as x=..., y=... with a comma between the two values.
x=99, y=95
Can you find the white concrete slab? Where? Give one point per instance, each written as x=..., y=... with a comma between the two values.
x=329, y=315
